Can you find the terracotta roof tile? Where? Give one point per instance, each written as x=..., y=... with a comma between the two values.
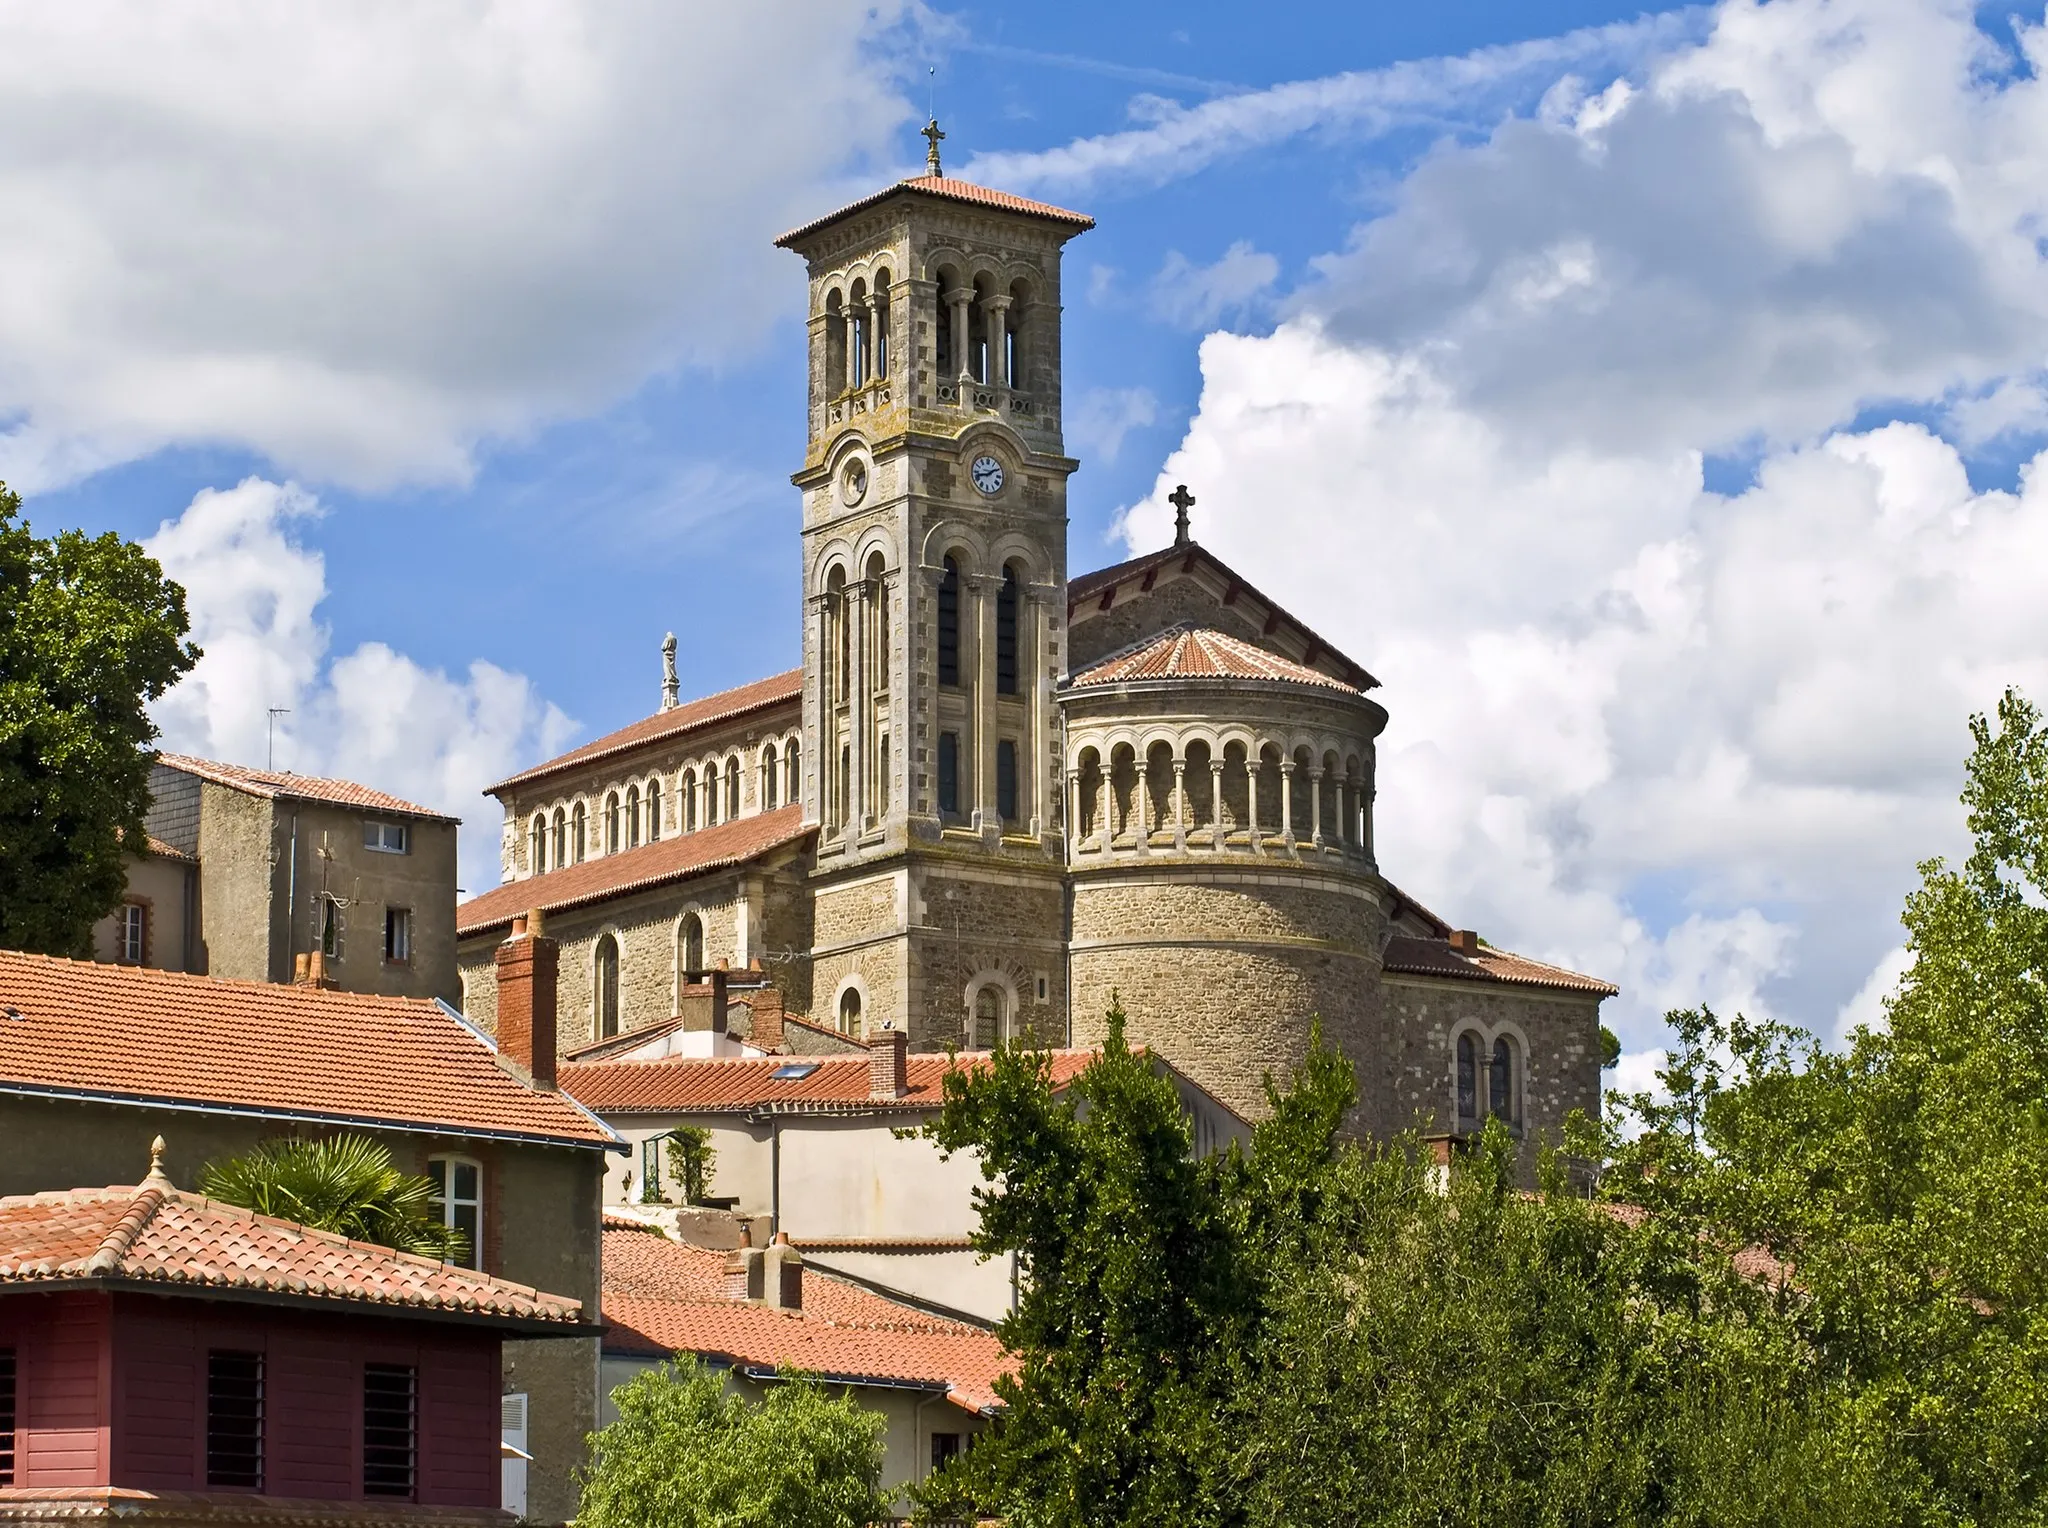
x=76, y=1028
x=1409, y=955
x=1188, y=651
x=948, y=188
x=157, y=1236
x=758, y=695
x=834, y=1084
x=283, y=785
x=615, y=875
x=161, y=850
x=664, y=1297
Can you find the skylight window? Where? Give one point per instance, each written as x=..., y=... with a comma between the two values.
x=796, y=1071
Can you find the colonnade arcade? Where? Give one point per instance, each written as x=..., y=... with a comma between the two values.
x=1198, y=789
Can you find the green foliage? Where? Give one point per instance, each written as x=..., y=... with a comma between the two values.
x=691, y=1159
x=347, y=1184
x=90, y=631
x=1610, y=1049
x=687, y=1453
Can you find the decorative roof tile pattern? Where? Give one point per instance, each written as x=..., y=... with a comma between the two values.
x=154, y=1235
x=77, y=1028
x=615, y=875
x=775, y=690
x=1187, y=651
x=829, y=1084
x=949, y=188
x=282, y=785
x=1412, y=956
x=663, y=1297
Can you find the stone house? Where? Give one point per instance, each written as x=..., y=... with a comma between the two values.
x=996, y=798
x=248, y=870
x=96, y=1060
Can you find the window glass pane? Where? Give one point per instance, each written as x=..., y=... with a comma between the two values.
x=949, y=625
x=1006, y=781
x=468, y=1219
x=949, y=772
x=1006, y=634
x=1500, y=1094
x=466, y=1179
x=1468, y=1079
x=234, y=1420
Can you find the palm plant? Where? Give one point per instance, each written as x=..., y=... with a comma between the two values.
x=346, y=1184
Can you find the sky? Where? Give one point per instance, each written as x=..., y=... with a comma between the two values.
x=1651, y=400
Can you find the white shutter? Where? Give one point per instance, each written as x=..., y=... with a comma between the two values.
x=512, y=1453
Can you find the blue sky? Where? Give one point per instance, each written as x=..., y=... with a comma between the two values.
x=1647, y=397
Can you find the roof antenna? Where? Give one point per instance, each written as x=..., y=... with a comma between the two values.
x=270, y=747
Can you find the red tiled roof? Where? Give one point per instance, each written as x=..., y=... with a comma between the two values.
x=285, y=786
x=948, y=188
x=663, y=1297
x=711, y=1085
x=1187, y=651
x=154, y=1235
x=712, y=709
x=162, y=850
x=1409, y=955
x=80, y=1029
x=1106, y=583
x=614, y=875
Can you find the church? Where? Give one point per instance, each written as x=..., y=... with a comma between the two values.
x=998, y=798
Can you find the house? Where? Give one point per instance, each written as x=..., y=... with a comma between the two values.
x=96, y=1060
x=754, y=1310
x=247, y=871
x=170, y=1359
x=814, y=1145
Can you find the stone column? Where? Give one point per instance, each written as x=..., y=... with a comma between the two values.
x=857, y=705
x=1144, y=789
x=1216, y=800
x=957, y=300
x=997, y=310
x=1287, y=802
x=1315, y=805
x=1180, y=802
x=1252, y=764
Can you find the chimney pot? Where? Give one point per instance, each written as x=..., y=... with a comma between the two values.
x=783, y=1274
x=743, y=1271
x=519, y=926
x=889, y=1064
x=301, y=965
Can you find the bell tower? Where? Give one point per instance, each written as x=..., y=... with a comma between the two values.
x=934, y=580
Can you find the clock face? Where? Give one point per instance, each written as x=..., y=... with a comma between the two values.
x=988, y=475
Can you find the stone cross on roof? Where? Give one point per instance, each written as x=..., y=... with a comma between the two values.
x=1182, y=501
x=932, y=135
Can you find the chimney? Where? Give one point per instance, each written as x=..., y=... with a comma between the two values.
x=889, y=1064
x=766, y=1032
x=1465, y=941
x=743, y=1267
x=783, y=1275
x=301, y=976
x=719, y=988
x=316, y=970
x=528, y=962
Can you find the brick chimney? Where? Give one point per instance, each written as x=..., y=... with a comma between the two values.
x=766, y=1033
x=528, y=963
x=1465, y=941
x=889, y=1064
x=743, y=1267
x=782, y=1282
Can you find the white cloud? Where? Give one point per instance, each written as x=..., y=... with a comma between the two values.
x=1198, y=296
x=361, y=240
x=371, y=715
x=1866, y=1010
x=1100, y=419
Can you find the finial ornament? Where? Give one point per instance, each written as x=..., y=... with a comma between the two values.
x=671, y=687
x=157, y=1178
x=1182, y=501
x=932, y=135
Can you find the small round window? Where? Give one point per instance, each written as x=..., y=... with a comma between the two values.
x=853, y=482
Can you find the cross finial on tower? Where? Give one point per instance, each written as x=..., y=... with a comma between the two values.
x=932, y=135
x=1182, y=501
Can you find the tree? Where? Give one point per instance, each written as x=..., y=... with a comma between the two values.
x=685, y=1452
x=347, y=1184
x=90, y=632
x=691, y=1158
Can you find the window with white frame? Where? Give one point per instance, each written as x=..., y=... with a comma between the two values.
x=458, y=1202
x=387, y=837
x=331, y=927
x=131, y=933
x=398, y=935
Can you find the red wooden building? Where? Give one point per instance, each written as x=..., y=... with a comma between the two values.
x=167, y=1359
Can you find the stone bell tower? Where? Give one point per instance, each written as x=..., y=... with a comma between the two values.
x=934, y=579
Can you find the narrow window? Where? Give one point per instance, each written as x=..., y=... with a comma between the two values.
x=458, y=1203
x=397, y=935
x=732, y=789
x=693, y=947
x=949, y=625
x=561, y=839
x=988, y=1019
x=1006, y=633
x=390, y=1429
x=1468, y=1079
x=689, y=800
x=611, y=823
x=537, y=847
x=792, y=776
x=771, y=779
x=1500, y=1082
x=632, y=817
x=387, y=837
x=882, y=784
x=845, y=783
x=578, y=832
x=653, y=811
x=949, y=774
x=132, y=934
x=330, y=928
x=6, y=1416
x=849, y=1011
x=1006, y=780
x=607, y=986
x=234, y=1420
x=710, y=795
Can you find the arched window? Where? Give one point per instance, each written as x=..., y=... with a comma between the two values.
x=988, y=1019
x=792, y=771
x=949, y=625
x=1007, y=600
x=579, y=831
x=692, y=947
x=611, y=823
x=632, y=817
x=849, y=1011
x=732, y=788
x=1500, y=1082
x=607, y=981
x=654, y=810
x=561, y=839
x=537, y=846
x=1468, y=1079
x=771, y=779
x=878, y=350
x=688, y=791
x=710, y=795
